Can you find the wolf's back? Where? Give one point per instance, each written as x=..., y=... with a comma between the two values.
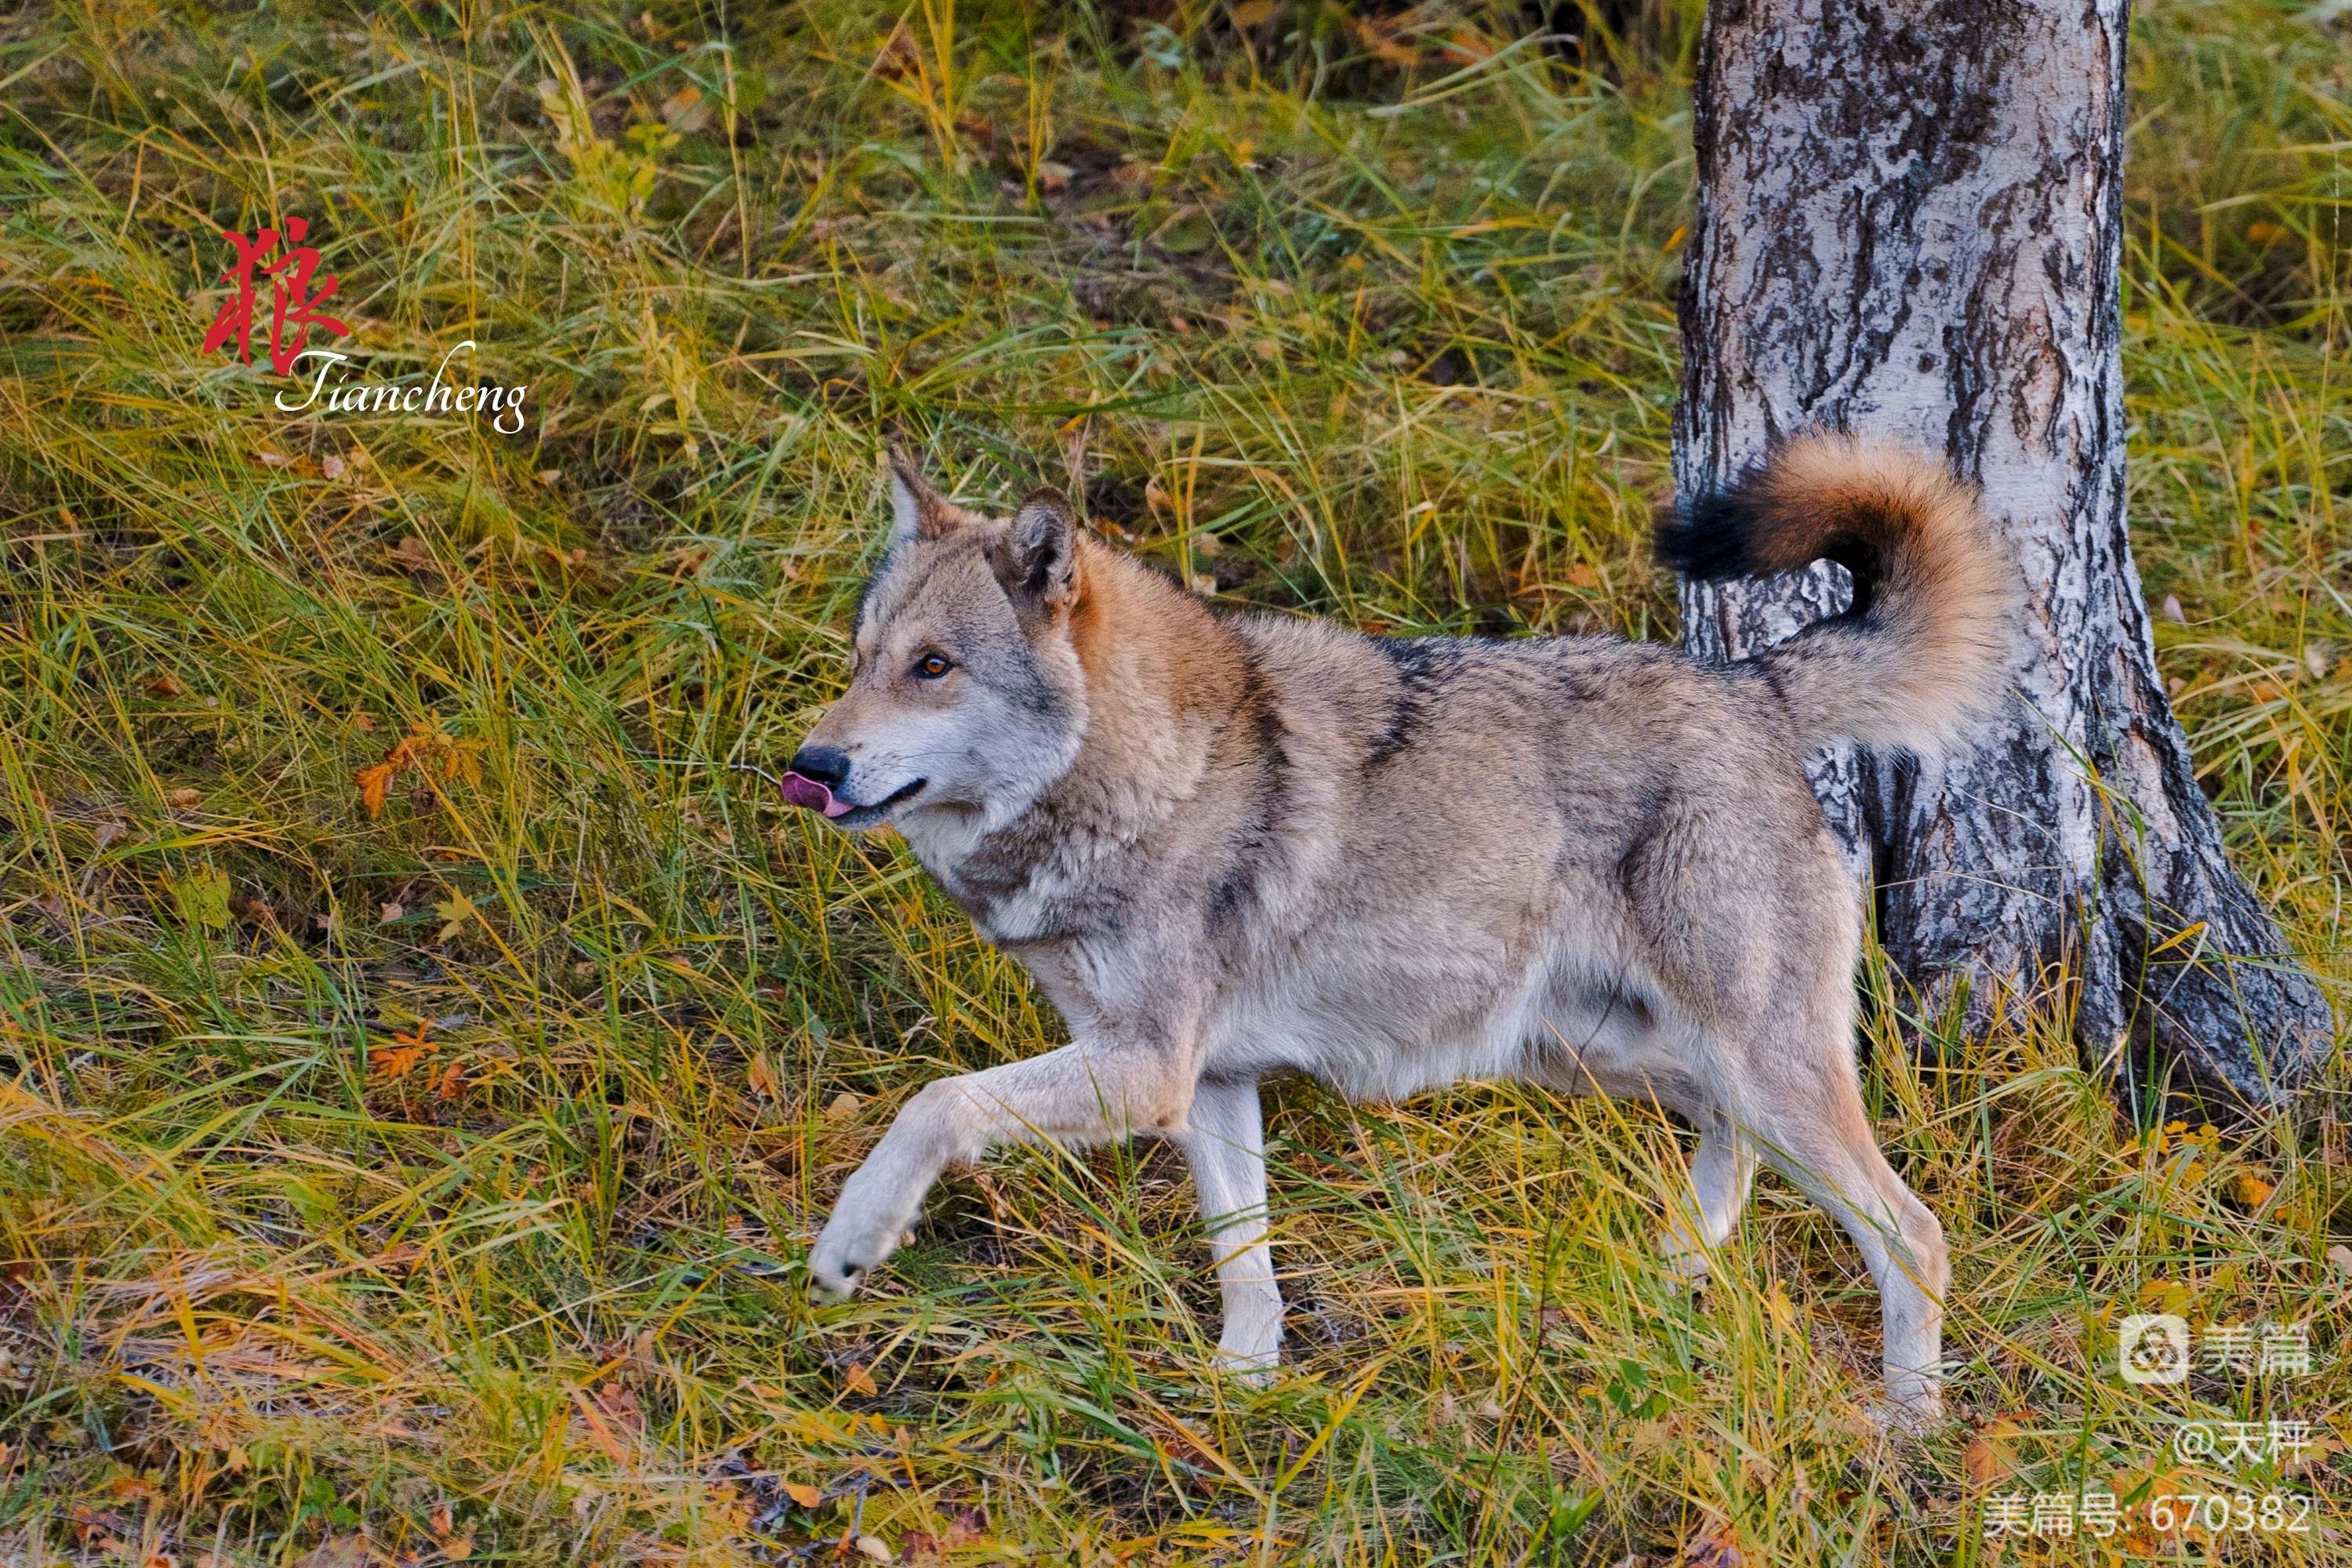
x=1924, y=651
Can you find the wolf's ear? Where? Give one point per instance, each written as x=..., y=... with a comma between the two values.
x=917, y=510
x=1037, y=560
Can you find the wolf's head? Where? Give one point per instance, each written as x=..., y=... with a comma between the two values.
x=965, y=693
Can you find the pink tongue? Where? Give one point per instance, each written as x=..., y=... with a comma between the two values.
x=801, y=790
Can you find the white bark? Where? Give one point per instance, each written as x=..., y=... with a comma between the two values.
x=1909, y=222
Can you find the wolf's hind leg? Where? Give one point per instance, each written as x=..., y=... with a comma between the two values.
x=1720, y=1175
x=1822, y=1142
x=1225, y=1141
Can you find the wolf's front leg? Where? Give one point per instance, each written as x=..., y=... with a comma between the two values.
x=1086, y=1092
x=1224, y=1140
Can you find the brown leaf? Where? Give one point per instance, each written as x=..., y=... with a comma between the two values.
x=842, y=1107
x=855, y=1379
x=1987, y=1459
x=375, y=787
x=184, y=800
x=761, y=1077
x=620, y=1406
x=803, y=1494
x=1715, y=1548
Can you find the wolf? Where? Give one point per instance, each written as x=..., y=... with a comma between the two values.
x=1229, y=845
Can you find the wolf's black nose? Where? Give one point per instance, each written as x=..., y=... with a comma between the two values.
x=821, y=765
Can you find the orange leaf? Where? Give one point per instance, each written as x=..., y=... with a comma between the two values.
x=858, y=1380
x=375, y=787
x=804, y=1494
x=1987, y=1457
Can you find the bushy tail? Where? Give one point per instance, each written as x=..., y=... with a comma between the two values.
x=1924, y=651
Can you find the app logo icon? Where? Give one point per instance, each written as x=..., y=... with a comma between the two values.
x=2153, y=1347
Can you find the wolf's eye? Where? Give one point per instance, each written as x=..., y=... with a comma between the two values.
x=931, y=666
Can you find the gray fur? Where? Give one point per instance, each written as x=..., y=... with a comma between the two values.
x=1234, y=846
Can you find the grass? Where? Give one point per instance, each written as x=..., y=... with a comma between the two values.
x=429, y=1185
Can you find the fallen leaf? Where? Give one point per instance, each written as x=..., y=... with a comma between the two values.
x=2250, y=1190
x=1715, y=1549
x=341, y=1552
x=454, y=912
x=1987, y=1457
x=760, y=1076
x=184, y=800
x=842, y=1107
x=331, y=466
x=375, y=787
x=2341, y=1257
x=803, y=1494
x=685, y=111
x=1251, y=14
x=1382, y=39
x=874, y=1549
x=618, y=1402
x=202, y=898
x=855, y=1379
x=167, y=686
x=385, y=913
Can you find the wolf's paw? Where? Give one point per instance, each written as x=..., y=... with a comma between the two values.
x=835, y=1269
x=1913, y=1411
x=865, y=1229
x=1252, y=1367
x=1684, y=1267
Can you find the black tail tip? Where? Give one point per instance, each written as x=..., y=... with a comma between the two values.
x=1711, y=538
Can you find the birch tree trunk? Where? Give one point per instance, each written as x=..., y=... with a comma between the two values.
x=1909, y=222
